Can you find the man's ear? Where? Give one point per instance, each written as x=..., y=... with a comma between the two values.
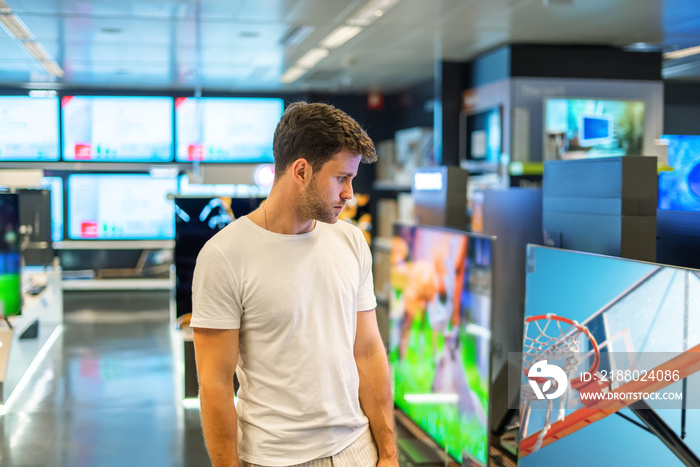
x=302, y=171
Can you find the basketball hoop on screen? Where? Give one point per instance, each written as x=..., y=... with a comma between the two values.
x=552, y=338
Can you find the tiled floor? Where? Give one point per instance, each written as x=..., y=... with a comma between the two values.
x=106, y=394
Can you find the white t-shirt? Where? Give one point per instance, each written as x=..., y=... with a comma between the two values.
x=295, y=300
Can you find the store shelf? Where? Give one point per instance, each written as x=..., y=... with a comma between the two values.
x=118, y=284
x=114, y=244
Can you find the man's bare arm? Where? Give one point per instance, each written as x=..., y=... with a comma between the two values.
x=375, y=386
x=216, y=353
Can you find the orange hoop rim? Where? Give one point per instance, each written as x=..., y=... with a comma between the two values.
x=576, y=382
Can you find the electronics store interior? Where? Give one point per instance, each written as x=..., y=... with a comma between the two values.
x=538, y=173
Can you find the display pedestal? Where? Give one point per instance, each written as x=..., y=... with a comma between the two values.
x=42, y=316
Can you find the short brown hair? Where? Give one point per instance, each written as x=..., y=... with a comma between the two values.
x=317, y=132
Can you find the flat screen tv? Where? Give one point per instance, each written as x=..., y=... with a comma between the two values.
x=55, y=185
x=117, y=129
x=120, y=207
x=10, y=278
x=581, y=128
x=625, y=338
x=197, y=219
x=440, y=327
x=226, y=129
x=28, y=128
x=482, y=139
x=679, y=190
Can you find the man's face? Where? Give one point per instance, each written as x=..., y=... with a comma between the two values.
x=329, y=189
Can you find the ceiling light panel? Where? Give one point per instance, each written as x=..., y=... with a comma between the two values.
x=15, y=27
x=373, y=10
x=340, y=36
x=312, y=57
x=292, y=74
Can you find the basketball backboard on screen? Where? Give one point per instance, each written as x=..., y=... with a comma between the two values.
x=651, y=323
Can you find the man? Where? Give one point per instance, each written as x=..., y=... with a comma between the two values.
x=285, y=296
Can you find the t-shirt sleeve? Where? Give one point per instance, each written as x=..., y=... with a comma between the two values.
x=216, y=302
x=366, y=300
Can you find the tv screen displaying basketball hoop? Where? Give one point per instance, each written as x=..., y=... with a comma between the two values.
x=607, y=341
x=440, y=328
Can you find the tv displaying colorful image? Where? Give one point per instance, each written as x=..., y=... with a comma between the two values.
x=197, y=219
x=439, y=342
x=10, y=278
x=679, y=190
x=117, y=129
x=120, y=207
x=28, y=128
x=226, y=129
x=602, y=332
x=581, y=128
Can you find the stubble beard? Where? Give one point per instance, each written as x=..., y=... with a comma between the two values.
x=311, y=206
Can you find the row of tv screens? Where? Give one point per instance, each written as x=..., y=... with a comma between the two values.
x=639, y=315
x=138, y=129
x=123, y=206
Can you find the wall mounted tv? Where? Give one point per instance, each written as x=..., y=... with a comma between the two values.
x=117, y=129
x=482, y=139
x=10, y=282
x=28, y=128
x=679, y=190
x=580, y=128
x=120, y=207
x=226, y=129
x=440, y=328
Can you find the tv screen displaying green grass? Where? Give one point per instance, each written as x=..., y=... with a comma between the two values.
x=10, y=284
x=440, y=322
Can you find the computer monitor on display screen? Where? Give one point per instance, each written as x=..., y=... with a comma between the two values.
x=28, y=128
x=10, y=283
x=229, y=129
x=440, y=327
x=197, y=219
x=117, y=129
x=120, y=207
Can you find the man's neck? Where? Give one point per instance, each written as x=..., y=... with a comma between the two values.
x=278, y=215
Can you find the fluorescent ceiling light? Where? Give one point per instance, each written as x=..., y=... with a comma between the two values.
x=292, y=74
x=37, y=51
x=687, y=52
x=312, y=57
x=15, y=27
x=371, y=11
x=53, y=68
x=340, y=36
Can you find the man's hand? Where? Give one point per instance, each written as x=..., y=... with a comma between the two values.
x=375, y=386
